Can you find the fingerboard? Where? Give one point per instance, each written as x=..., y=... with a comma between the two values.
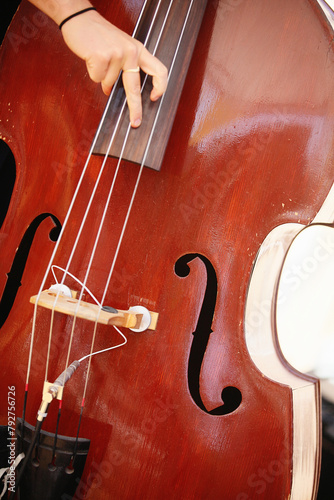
x=170, y=34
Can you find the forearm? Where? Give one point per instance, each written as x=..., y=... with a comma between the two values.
x=58, y=10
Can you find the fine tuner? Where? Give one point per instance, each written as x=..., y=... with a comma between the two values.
x=136, y=318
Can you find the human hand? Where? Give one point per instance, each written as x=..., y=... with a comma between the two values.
x=107, y=50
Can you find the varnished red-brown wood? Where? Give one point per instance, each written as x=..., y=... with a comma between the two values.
x=251, y=148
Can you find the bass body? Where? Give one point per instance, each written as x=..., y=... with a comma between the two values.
x=182, y=411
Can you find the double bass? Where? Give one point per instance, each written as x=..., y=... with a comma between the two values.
x=137, y=265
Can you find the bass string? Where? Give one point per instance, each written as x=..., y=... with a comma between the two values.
x=105, y=211
x=137, y=183
x=147, y=148
x=66, y=271
x=128, y=211
x=106, y=206
x=82, y=225
x=69, y=212
x=83, y=286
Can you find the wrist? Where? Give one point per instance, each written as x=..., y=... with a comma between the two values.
x=76, y=14
x=69, y=8
x=58, y=10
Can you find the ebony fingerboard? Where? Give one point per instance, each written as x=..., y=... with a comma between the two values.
x=174, y=49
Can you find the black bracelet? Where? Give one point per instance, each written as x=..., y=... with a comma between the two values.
x=74, y=15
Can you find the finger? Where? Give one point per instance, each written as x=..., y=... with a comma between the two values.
x=152, y=66
x=132, y=87
x=159, y=81
x=97, y=67
x=104, y=68
x=110, y=78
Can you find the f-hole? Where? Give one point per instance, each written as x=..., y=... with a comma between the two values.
x=7, y=178
x=231, y=396
x=15, y=274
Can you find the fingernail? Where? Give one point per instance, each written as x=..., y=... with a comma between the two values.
x=136, y=123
